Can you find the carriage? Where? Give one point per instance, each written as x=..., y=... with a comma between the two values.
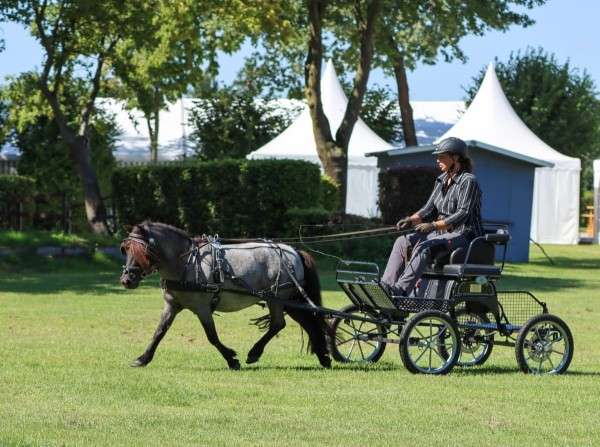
x=456, y=316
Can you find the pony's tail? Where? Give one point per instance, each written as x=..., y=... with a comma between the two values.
x=312, y=282
x=314, y=323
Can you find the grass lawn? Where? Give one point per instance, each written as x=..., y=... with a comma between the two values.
x=68, y=335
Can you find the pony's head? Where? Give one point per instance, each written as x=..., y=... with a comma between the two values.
x=139, y=248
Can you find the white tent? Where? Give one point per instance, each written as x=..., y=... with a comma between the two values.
x=297, y=142
x=133, y=143
x=491, y=119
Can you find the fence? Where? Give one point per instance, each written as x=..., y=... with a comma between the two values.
x=9, y=166
x=44, y=210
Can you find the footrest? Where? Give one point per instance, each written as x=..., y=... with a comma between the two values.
x=368, y=294
x=373, y=294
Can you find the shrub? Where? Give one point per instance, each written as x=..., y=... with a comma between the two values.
x=234, y=198
x=404, y=190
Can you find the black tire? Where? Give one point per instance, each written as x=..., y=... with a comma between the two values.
x=544, y=345
x=353, y=340
x=476, y=344
x=430, y=343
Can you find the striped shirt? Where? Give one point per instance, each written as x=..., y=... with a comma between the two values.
x=458, y=204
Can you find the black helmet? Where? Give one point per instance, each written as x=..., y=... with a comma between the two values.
x=452, y=145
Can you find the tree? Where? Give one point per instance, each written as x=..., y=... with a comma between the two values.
x=231, y=122
x=559, y=104
x=78, y=39
x=182, y=51
x=380, y=112
x=333, y=151
x=421, y=31
x=89, y=39
x=40, y=143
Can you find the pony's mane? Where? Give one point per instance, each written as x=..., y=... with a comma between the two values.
x=165, y=227
x=139, y=251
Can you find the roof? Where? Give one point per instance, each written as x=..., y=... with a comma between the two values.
x=471, y=143
x=491, y=120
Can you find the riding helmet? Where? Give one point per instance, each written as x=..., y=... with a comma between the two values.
x=452, y=145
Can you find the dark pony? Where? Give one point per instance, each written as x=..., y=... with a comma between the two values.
x=204, y=276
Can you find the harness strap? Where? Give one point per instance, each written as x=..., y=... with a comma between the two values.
x=289, y=269
x=181, y=286
x=209, y=287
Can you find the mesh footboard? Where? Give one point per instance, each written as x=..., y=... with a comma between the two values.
x=520, y=306
x=371, y=294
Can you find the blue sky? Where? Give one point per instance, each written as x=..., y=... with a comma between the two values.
x=565, y=28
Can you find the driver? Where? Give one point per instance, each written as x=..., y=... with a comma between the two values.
x=450, y=219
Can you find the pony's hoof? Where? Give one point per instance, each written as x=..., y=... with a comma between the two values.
x=235, y=366
x=252, y=359
x=325, y=361
x=139, y=363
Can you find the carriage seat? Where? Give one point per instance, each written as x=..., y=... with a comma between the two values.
x=481, y=256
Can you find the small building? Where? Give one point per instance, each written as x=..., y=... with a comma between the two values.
x=527, y=185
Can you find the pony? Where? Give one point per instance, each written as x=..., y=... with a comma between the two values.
x=203, y=276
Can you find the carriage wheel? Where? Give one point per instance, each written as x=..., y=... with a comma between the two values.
x=430, y=343
x=354, y=339
x=544, y=345
x=476, y=344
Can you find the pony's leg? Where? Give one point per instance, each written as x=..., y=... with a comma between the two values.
x=208, y=323
x=276, y=324
x=318, y=333
x=169, y=312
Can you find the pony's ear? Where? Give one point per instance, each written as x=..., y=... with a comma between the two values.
x=127, y=227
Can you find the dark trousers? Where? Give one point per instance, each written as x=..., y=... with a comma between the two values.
x=412, y=254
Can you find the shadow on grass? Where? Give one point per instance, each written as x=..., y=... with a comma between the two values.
x=509, y=282
x=98, y=283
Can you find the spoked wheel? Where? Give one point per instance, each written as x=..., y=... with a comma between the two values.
x=355, y=340
x=544, y=345
x=430, y=343
x=476, y=344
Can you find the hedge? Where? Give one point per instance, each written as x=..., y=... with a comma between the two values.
x=234, y=198
x=16, y=187
x=403, y=190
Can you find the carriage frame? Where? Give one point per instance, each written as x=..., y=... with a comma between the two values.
x=455, y=316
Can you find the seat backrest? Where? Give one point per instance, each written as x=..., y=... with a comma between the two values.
x=482, y=252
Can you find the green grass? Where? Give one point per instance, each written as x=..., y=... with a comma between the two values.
x=13, y=238
x=68, y=334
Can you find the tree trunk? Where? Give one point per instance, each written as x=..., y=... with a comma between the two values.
x=94, y=205
x=406, y=112
x=153, y=120
x=332, y=157
x=153, y=123
x=333, y=153
x=79, y=147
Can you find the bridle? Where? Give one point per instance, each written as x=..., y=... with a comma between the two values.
x=149, y=244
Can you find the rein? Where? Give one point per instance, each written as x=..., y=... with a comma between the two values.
x=215, y=241
x=361, y=234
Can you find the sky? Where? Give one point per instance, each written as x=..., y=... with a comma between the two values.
x=567, y=29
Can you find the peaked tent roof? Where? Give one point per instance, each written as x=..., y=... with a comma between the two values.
x=297, y=141
x=491, y=119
